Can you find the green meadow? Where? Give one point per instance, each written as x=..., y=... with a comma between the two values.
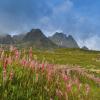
x=83, y=58
x=61, y=74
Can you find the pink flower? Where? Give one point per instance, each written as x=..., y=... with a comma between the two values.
x=4, y=69
x=32, y=64
x=77, y=83
x=59, y=93
x=2, y=54
x=30, y=52
x=11, y=75
x=23, y=62
x=17, y=54
x=49, y=75
x=37, y=76
x=87, y=88
x=5, y=63
x=4, y=74
x=11, y=48
x=69, y=87
x=9, y=60
x=42, y=67
x=14, y=49
x=65, y=77
x=51, y=99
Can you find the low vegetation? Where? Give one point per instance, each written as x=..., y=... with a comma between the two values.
x=34, y=75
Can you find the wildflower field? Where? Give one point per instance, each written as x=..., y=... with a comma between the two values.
x=44, y=75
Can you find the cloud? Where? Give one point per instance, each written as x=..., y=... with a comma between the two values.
x=91, y=42
x=64, y=7
x=57, y=20
x=74, y=17
x=16, y=15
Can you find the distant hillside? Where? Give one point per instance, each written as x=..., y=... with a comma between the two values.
x=6, y=39
x=62, y=40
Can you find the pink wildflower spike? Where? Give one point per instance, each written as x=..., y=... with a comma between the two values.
x=9, y=60
x=4, y=74
x=4, y=69
x=32, y=64
x=5, y=64
x=87, y=88
x=15, y=48
x=39, y=66
x=37, y=76
x=11, y=48
x=11, y=75
x=69, y=87
x=77, y=83
x=17, y=54
x=51, y=99
x=30, y=52
x=65, y=77
x=79, y=86
x=23, y=62
x=2, y=54
x=59, y=93
x=42, y=67
x=49, y=75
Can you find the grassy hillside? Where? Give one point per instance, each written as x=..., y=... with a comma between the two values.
x=62, y=74
x=84, y=58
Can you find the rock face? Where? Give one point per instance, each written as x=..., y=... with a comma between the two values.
x=6, y=39
x=36, y=38
x=62, y=40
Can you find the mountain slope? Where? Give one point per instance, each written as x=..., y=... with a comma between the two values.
x=37, y=39
x=18, y=38
x=6, y=39
x=62, y=40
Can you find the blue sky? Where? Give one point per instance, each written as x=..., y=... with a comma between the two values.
x=81, y=18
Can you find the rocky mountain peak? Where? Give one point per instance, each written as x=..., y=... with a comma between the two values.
x=62, y=40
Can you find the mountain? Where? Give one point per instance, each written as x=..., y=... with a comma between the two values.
x=18, y=38
x=37, y=39
x=62, y=40
x=6, y=39
x=85, y=48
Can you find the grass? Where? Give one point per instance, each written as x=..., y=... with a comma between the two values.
x=44, y=75
x=86, y=59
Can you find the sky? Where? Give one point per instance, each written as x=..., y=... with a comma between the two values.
x=80, y=18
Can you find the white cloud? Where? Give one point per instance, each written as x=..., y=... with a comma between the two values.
x=91, y=42
x=63, y=7
x=50, y=16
